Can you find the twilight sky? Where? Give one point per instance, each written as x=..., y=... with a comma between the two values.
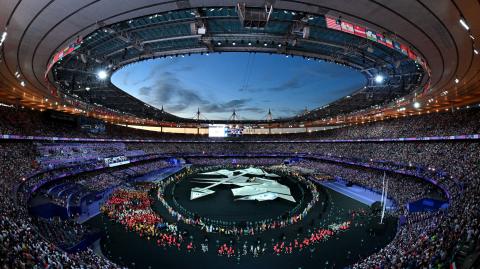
x=247, y=82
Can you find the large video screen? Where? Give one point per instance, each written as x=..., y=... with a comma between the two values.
x=234, y=131
x=217, y=130
x=223, y=130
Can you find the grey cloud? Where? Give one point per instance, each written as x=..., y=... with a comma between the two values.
x=155, y=71
x=126, y=78
x=167, y=90
x=293, y=83
x=145, y=90
x=237, y=104
x=286, y=112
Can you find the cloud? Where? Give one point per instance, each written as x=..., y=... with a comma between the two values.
x=126, y=78
x=286, y=112
x=185, y=68
x=154, y=71
x=293, y=83
x=254, y=110
x=168, y=90
x=241, y=106
x=145, y=91
x=237, y=104
x=325, y=72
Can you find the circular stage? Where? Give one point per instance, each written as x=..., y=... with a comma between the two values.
x=333, y=232
x=223, y=206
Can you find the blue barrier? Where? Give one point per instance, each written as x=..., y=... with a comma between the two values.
x=426, y=204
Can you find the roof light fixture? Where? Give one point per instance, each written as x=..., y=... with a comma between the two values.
x=379, y=78
x=102, y=74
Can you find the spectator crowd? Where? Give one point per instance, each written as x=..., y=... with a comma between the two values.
x=425, y=240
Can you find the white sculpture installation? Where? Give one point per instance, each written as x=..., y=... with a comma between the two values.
x=254, y=187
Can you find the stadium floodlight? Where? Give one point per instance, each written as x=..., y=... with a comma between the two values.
x=457, y=80
x=464, y=24
x=379, y=78
x=22, y=83
x=475, y=51
x=102, y=74
x=416, y=105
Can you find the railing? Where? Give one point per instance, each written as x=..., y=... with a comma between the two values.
x=399, y=139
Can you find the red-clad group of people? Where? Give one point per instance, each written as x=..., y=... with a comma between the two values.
x=170, y=240
x=225, y=250
x=316, y=237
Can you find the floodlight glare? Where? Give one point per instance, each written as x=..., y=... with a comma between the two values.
x=379, y=78
x=464, y=24
x=102, y=74
x=2, y=39
x=416, y=105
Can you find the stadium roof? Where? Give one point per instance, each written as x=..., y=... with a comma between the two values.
x=107, y=35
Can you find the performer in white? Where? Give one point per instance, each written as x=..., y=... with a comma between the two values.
x=253, y=185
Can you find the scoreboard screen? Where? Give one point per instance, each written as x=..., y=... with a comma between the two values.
x=217, y=130
x=223, y=130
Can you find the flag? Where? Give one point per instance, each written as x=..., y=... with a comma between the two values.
x=412, y=55
x=427, y=86
x=333, y=23
x=396, y=45
x=404, y=49
x=60, y=55
x=420, y=61
x=389, y=42
x=372, y=35
x=53, y=91
x=381, y=39
x=347, y=27
x=360, y=31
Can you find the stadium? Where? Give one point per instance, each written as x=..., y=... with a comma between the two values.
x=239, y=134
